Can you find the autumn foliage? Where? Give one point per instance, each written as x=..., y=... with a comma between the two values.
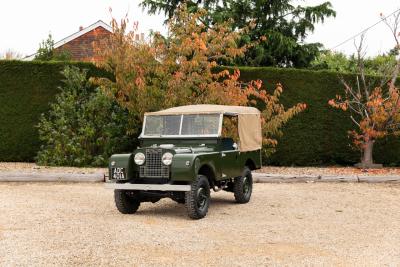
x=378, y=113
x=375, y=110
x=180, y=69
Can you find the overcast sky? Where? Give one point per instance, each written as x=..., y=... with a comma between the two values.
x=24, y=24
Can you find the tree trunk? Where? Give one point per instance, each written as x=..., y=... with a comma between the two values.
x=367, y=161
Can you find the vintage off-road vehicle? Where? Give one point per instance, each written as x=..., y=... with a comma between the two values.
x=186, y=151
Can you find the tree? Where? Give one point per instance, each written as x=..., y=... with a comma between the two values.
x=83, y=126
x=10, y=55
x=284, y=25
x=183, y=69
x=374, y=109
x=336, y=61
x=46, y=51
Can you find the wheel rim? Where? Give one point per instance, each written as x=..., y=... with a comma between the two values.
x=202, y=198
x=246, y=186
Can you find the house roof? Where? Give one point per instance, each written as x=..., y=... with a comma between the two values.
x=77, y=34
x=73, y=36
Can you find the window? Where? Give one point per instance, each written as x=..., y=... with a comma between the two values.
x=230, y=128
x=185, y=125
x=200, y=124
x=162, y=125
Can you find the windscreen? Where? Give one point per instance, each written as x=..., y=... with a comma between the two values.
x=200, y=124
x=191, y=125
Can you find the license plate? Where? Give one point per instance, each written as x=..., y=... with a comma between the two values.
x=118, y=173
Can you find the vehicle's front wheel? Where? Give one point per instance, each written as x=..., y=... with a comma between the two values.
x=197, y=199
x=125, y=202
x=243, y=186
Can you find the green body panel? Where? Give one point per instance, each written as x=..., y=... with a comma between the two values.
x=198, y=160
x=191, y=156
x=123, y=161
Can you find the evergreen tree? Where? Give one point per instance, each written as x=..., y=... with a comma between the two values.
x=284, y=25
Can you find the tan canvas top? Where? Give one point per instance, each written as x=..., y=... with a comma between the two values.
x=248, y=117
x=204, y=109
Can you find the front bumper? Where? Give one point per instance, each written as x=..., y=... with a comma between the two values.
x=148, y=187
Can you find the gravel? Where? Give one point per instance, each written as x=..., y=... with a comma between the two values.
x=284, y=224
x=295, y=171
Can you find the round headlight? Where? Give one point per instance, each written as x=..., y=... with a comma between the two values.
x=167, y=158
x=140, y=158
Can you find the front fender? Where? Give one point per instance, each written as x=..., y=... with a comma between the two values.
x=183, y=167
x=123, y=161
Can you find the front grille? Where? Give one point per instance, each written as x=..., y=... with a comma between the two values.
x=153, y=167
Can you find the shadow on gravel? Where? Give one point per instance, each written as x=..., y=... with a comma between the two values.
x=169, y=209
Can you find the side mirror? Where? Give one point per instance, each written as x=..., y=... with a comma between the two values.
x=235, y=146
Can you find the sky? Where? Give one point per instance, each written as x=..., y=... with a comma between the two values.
x=352, y=17
x=24, y=24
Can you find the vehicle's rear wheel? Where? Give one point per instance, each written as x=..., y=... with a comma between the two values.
x=197, y=200
x=243, y=186
x=125, y=202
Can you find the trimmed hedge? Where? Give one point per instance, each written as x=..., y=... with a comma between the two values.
x=317, y=136
x=26, y=90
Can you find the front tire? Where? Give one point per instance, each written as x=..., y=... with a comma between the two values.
x=243, y=187
x=125, y=203
x=197, y=200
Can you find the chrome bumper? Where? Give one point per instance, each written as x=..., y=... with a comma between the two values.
x=156, y=187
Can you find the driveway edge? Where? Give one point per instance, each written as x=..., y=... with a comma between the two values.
x=15, y=176
x=277, y=178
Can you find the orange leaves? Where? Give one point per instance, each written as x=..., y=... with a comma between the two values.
x=180, y=70
x=139, y=82
x=376, y=112
x=338, y=103
x=302, y=106
x=332, y=102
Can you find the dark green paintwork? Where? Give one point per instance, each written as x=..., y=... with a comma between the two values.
x=193, y=154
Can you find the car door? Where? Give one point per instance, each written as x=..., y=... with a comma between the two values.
x=229, y=159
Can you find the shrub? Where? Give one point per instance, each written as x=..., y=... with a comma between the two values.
x=83, y=126
x=26, y=90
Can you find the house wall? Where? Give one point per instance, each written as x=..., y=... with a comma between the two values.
x=83, y=47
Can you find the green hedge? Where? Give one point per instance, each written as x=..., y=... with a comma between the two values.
x=317, y=136
x=26, y=89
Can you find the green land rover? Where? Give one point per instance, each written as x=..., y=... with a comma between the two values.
x=184, y=153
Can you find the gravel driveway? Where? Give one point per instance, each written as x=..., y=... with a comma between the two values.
x=284, y=224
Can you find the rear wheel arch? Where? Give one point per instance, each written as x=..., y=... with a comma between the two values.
x=250, y=164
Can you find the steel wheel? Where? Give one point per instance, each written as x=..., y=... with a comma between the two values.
x=202, y=198
x=243, y=186
x=197, y=199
